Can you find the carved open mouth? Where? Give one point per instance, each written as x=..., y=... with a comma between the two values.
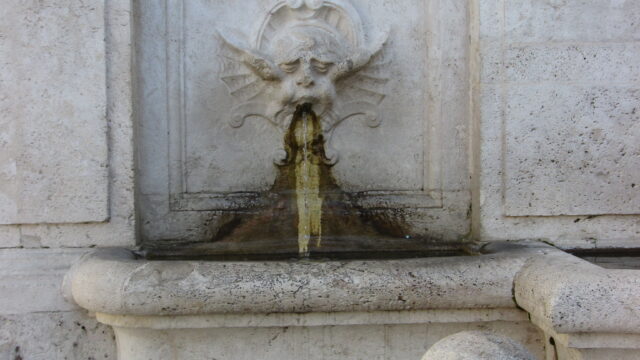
x=310, y=101
x=306, y=99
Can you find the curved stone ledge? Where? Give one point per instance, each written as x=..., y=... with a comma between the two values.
x=114, y=282
x=569, y=295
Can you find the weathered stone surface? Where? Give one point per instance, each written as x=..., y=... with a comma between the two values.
x=120, y=230
x=569, y=295
x=9, y=236
x=477, y=345
x=597, y=354
x=557, y=126
x=586, y=311
x=604, y=63
x=55, y=336
x=567, y=231
x=31, y=279
x=53, y=154
x=572, y=150
x=381, y=341
x=491, y=60
x=113, y=282
x=403, y=317
x=566, y=20
x=489, y=19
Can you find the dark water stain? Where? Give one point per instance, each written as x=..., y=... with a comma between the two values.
x=307, y=216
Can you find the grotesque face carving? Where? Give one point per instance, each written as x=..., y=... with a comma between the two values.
x=307, y=51
x=307, y=57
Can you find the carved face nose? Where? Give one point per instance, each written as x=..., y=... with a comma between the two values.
x=306, y=81
x=306, y=78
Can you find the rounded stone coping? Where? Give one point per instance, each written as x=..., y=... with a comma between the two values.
x=566, y=294
x=112, y=281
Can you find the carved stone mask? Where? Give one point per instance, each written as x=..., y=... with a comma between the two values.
x=306, y=52
x=307, y=56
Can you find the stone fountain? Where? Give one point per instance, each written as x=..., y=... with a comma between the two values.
x=298, y=104
x=304, y=193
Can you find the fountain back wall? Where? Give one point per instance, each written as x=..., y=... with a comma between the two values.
x=218, y=95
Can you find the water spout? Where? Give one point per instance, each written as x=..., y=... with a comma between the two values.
x=309, y=154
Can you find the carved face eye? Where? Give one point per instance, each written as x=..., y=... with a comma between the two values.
x=290, y=67
x=320, y=66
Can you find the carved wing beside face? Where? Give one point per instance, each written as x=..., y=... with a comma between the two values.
x=359, y=59
x=246, y=74
x=360, y=83
x=260, y=64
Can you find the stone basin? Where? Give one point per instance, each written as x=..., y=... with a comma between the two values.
x=387, y=309
x=116, y=282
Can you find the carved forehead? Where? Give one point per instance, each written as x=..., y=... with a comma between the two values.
x=316, y=41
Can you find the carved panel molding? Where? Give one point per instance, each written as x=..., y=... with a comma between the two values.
x=232, y=90
x=203, y=154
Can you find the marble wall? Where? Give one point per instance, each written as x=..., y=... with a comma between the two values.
x=557, y=110
x=66, y=166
